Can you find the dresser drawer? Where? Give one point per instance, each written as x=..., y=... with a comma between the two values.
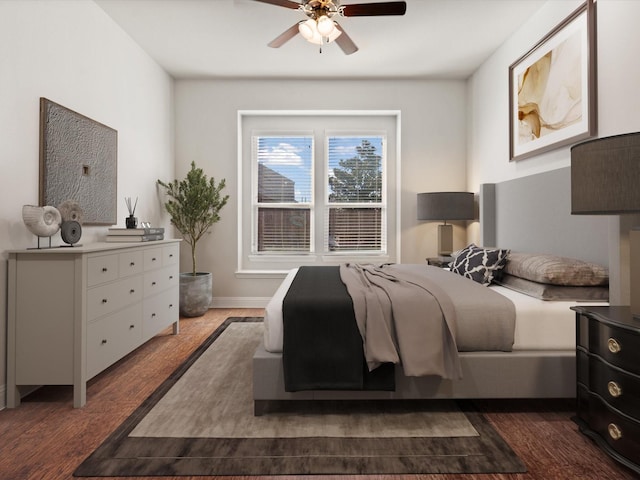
x=619, y=389
x=152, y=258
x=620, y=432
x=158, y=280
x=101, y=269
x=112, y=337
x=108, y=298
x=130, y=263
x=159, y=312
x=171, y=255
x=618, y=346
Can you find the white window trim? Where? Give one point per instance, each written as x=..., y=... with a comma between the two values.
x=248, y=273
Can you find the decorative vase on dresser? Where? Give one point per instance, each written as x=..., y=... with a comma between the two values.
x=73, y=312
x=608, y=376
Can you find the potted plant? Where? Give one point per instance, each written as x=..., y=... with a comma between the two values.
x=194, y=206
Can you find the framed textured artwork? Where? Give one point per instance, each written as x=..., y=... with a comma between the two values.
x=78, y=162
x=552, y=88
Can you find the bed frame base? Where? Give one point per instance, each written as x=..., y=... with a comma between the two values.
x=518, y=374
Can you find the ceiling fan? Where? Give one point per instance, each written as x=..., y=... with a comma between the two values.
x=320, y=27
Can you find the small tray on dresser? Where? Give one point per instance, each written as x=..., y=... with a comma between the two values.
x=608, y=377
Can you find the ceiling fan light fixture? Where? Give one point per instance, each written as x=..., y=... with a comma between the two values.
x=325, y=26
x=308, y=29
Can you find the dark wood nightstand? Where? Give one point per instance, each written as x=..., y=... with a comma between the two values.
x=608, y=376
x=442, y=262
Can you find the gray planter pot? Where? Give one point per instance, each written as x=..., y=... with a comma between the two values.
x=195, y=293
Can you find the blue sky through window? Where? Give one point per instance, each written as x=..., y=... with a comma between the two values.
x=292, y=157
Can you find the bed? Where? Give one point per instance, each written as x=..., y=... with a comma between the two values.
x=540, y=362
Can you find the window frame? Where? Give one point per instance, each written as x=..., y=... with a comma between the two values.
x=266, y=266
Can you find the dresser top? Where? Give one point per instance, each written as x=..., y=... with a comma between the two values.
x=92, y=247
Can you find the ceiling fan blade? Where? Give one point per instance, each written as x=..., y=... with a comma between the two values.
x=284, y=37
x=344, y=42
x=281, y=3
x=372, y=9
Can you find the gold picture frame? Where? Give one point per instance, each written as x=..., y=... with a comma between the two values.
x=552, y=88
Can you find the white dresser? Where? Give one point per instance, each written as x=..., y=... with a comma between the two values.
x=74, y=311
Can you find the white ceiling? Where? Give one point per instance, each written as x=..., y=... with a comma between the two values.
x=228, y=38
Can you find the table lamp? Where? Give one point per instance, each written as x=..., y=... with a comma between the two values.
x=605, y=180
x=446, y=206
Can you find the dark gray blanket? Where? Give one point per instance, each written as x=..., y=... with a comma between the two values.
x=322, y=346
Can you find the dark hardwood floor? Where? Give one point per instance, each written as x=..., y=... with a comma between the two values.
x=46, y=438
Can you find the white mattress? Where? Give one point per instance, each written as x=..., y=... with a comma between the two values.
x=540, y=325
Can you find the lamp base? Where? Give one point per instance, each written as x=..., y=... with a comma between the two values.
x=634, y=270
x=445, y=240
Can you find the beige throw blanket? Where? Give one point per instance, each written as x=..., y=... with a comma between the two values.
x=405, y=317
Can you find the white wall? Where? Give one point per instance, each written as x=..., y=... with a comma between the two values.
x=72, y=53
x=618, y=41
x=432, y=146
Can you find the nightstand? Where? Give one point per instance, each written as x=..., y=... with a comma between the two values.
x=608, y=376
x=442, y=262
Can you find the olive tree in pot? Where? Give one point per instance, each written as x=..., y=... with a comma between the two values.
x=194, y=205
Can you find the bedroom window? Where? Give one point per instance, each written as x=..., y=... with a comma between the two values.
x=284, y=193
x=356, y=194
x=352, y=205
x=317, y=187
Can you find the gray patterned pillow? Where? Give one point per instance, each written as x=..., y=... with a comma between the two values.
x=481, y=265
x=556, y=270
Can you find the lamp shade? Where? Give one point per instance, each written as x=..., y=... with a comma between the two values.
x=605, y=175
x=446, y=206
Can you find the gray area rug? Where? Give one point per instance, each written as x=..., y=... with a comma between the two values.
x=200, y=422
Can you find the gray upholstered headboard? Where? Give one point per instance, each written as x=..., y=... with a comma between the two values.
x=533, y=214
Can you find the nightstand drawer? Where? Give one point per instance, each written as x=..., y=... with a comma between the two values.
x=617, y=346
x=620, y=432
x=619, y=389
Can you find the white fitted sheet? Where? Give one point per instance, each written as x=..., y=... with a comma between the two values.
x=540, y=324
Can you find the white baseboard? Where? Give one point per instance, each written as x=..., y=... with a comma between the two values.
x=3, y=397
x=240, y=302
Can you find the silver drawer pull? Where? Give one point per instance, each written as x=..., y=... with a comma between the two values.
x=153, y=315
x=104, y=300
x=614, y=346
x=104, y=340
x=614, y=431
x=153, y=283
x=153, y=259
x=170, y=277
x=132, y=291
x=171, y=255
x=105, y=269
x=131, y=327
x=132, y=264
x=615, y=390
x=171, y=305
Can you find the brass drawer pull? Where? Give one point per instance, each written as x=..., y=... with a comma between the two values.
x=614, y=431
x=615, y=390
x=614, y=346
